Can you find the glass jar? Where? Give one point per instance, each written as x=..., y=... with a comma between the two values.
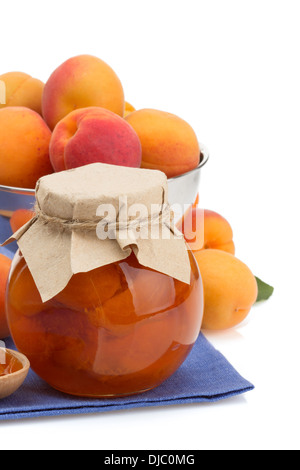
x=118, y=330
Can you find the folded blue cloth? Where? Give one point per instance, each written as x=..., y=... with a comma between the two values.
x=205, y=376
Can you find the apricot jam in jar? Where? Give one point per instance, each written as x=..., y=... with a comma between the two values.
x=95, y=317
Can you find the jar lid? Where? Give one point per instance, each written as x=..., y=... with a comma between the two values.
x=96, y=215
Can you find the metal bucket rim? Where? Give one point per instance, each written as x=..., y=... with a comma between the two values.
x=30, y=192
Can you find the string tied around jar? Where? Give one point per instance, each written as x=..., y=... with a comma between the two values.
x=114, y=226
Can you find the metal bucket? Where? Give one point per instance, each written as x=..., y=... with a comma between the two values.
x=12, y=199
x=183, y=190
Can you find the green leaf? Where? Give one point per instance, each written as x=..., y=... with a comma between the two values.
x=264, y=290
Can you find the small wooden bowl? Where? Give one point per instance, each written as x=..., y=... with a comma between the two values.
x=10, y=383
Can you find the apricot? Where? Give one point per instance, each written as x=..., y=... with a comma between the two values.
x=22, y=90
x=61, y=337
x=22, y=285
x=205, y=229
x=89, y=291
x=81, y=82
x=19, y=218
x=5, y=264
x=128, y=109
x=168, y=142
x=230, y=289
x=93, y=135
x=24, y=147
x=148, y=294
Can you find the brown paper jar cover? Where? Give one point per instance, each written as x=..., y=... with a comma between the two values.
x=54, y=252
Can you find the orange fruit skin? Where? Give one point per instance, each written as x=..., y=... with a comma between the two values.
x=128, y=109
x=22, y=90
x=24, y=147
x=230, y=289
x=91, y=135
x=203, y=229
x=81, y=82
x=169, y=143
x=19, y=218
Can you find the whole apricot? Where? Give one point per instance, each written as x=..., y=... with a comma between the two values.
x=89, y=291
x=168, y=142
x=23, y=286
x=92, y=135
x=19, y=218
x=230, y=289
x=203, y=229
x=81, y=82
x=5, y=264
x=24, y=147
x=22, y=90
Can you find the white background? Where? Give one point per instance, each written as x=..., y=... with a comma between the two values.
x=231, y=69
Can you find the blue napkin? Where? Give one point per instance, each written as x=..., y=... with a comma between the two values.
x=206, y=376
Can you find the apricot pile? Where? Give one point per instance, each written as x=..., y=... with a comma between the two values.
x=80, y=116
x=230, y=288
